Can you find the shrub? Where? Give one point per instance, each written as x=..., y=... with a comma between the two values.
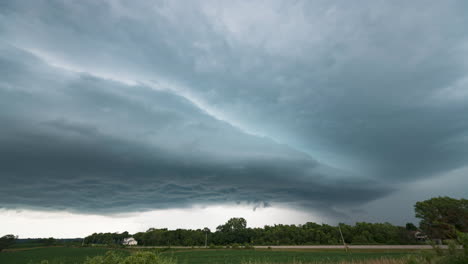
x=248, y=246
x=142, y=257
x=145, y=257
x=454, y=255
x=7, y=241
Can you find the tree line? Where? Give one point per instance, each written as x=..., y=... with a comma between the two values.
x=441, y=218
x=235, y=232
x=106, y=238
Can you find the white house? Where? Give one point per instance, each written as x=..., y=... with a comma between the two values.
x=420, y=236
x=130, y=241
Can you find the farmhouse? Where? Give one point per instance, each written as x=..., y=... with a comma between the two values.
x=130, y=241
x=420, y=236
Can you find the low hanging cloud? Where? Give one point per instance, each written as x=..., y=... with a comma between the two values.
x=158, y=104
x=77, y=142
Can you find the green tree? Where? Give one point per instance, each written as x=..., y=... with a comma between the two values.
x=411, y=227
x=233, y=224
x=6, y=241
x=47, y=241
x=234, y=231
x=441, y=217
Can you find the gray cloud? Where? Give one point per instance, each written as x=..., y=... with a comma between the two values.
x=78, y=142
x=370, y=93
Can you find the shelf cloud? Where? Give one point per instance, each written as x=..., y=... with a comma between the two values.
x=116, y=106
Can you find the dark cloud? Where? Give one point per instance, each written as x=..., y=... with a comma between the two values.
x=367, y=93
x=92, y=145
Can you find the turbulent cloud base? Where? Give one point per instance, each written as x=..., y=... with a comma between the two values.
x=114, y=106
x=91, y=144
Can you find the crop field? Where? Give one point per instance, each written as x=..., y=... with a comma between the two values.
x=55, y=255
x=64, y=255
x=266, y=256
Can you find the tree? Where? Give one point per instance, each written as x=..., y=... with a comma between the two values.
x=47, y=241
x=234, y=231
x=233, y=224
x=6, y=241
x=441, y=217
x=411, y=227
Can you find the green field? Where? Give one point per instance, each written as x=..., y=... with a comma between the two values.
x=55, y=255
x=58, y=255
x=301, y=256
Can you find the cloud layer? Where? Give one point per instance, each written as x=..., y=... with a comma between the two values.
x=112, y=106
x=77, y=142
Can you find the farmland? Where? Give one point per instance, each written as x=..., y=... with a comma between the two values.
x=55, y=255
x=276, y=256
x=76, y=255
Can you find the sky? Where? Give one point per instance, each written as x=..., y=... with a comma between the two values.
x=124, y=115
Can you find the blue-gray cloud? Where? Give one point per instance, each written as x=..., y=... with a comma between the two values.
x=321, y=97
x=77, y=142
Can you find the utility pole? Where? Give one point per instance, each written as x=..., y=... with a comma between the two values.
x=206, y=229
x=342, y=238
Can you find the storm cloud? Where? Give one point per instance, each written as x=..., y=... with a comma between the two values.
x=113, y=106
x=94, y=145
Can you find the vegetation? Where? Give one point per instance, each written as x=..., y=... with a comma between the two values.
x=442, y=217
x=53, y=255
x=278, y=256
x=106, y=238
x=45, y=242
x=236, y=232
x=7, y=241
x=142, y=257
x=367, y=261
x=90, y=255
x=83, y=255
x=306, y=234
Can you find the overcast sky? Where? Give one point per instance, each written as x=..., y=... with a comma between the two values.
x=125, y=115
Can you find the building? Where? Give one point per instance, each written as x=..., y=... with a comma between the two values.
x=130, y=241
x=420, y=236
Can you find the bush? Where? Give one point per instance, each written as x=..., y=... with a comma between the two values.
x=453, y=255
x=462, y=239
x=213, y=246
x=142, y=257
x=248, y=246
x=7, y=241
x=146, y=257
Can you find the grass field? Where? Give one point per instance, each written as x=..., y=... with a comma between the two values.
x=64, y=255
x=55, y=255
x=301, y=256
